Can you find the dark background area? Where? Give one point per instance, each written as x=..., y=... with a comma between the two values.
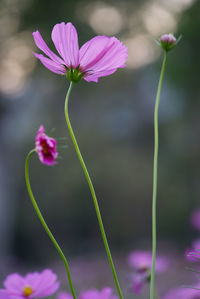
x=113, y=122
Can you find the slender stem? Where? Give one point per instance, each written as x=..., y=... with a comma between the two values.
x=155, y=178
x=92, y=192
x=44, y=223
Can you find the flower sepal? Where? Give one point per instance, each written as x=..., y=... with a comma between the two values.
x=74, y=75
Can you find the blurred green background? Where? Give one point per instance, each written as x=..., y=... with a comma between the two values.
x=113, y=122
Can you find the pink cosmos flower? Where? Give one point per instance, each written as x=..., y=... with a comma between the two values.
x=45, y=147
x=195, y=219
x=183, y=293
x=101, y=56
x=141, y=262
x=106, y=293
x=33, y=285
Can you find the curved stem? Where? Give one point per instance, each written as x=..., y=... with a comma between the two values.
x=92, y=192
x=44, y=223
x=155, y=178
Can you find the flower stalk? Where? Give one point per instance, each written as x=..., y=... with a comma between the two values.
x=87, y=176
x=155, y=177
x=39, y=214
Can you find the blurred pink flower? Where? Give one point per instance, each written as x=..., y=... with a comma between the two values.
x=195, y=219
x=141, y=261
x=33, y=285
x=183, y=293
x=45, y=147
x=106, y=293
x=101, y=56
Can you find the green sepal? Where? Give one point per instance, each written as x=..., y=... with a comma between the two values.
x=74, y=75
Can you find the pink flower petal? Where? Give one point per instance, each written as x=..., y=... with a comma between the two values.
x=14, y=283
x=65, y=39
x=102, y=54
x=114, y=57
x=94, y=77
x=46, y=148
x=46, y=283
x=92, y=51
x=50, y=64
x=40, y=43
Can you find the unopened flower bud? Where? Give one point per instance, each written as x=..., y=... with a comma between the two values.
x=168, y=41
x=168, y=38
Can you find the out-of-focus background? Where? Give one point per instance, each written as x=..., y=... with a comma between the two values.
x=113, y=121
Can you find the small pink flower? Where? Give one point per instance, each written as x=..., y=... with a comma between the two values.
x=3, y=296
x=33, y=285
x=45, y=147
x=106, y=293
x=101, y=56
x=141, y=261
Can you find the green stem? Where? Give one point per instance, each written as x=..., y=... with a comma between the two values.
x=92, y=192
x=155, y=178
x=44, y=223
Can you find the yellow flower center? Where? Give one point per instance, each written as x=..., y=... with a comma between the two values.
x=27, y=291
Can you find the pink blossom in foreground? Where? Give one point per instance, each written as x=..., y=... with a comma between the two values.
x=3, y=296
x=195, y=219
x=183, y=293
x=45, y=147
x=101, y=56
x=106, y=293
x=33, y=285
x=141, y=262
